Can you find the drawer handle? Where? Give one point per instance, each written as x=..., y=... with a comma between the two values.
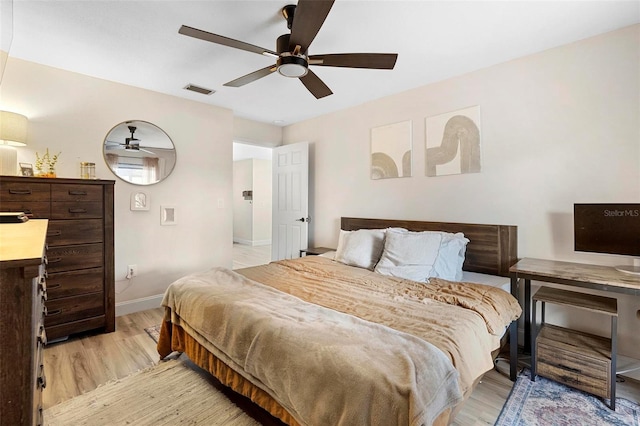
x=54, y=260
x=56, y=233
x=54, y=313
x=42, y=337
x=77, y=210
x=44, y=296
x=44, y=311
x=77, y=192
x=20, y=191
x=42, y=379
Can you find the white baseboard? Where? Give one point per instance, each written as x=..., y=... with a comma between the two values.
x=252, y=242
x=137, y=305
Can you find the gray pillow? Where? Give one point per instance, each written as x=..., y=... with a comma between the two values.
x=409, y=255
x=361, y=248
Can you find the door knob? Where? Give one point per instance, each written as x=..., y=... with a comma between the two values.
x=303, y=219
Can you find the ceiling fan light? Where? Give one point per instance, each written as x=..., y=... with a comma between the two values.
x=292, y=66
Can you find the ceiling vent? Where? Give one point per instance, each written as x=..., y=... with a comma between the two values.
x=198, y=89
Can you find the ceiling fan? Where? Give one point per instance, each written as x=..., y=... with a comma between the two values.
x=292, y=50
x=131, y=143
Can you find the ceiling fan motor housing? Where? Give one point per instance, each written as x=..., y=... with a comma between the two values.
x=288, y=63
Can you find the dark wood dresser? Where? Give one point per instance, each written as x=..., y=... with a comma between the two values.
x=22, y=295
x=80, y=253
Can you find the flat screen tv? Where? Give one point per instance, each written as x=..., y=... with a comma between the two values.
x=608, y=228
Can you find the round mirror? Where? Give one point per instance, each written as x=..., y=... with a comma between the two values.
x=139, y=152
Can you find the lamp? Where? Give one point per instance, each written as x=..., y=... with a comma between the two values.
x=292, y=66
x=13, y=129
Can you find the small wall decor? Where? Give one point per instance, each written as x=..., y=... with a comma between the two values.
x=168, y=215
x=391, y=151
x=453, y=142
x=139, y=201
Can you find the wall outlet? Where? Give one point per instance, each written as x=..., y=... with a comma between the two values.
x=132, y=271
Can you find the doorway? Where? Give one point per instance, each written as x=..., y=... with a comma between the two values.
x=252, y=193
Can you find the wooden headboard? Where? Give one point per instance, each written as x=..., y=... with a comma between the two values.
x=492, y=249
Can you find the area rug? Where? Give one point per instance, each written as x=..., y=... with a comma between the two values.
x=153, y=332
x=170, y=393
x=548, y=403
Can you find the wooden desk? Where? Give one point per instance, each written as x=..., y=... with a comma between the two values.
x=604, y=278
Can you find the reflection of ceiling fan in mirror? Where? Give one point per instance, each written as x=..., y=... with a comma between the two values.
x=292, y=50
x=131, y=143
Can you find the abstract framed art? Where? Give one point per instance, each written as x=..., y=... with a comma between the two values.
x=453, y=142
x=391, y=151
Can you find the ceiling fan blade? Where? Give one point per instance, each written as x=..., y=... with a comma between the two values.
x=225, y=41
x=316, y=86
x=381, y=61
x=251, y=77
x=307, y=20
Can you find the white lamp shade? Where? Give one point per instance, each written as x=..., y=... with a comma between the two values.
x=13, y=129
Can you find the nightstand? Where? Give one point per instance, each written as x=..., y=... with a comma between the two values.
x=314, y=251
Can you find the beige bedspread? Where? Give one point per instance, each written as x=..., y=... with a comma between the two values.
x=323, y=366
x=258, y=330
x=464, y=320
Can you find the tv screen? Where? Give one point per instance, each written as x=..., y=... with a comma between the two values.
x=607, y=228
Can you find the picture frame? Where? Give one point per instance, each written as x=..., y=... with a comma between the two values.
x=26, y=169
x=391, y=150
x=139, y=201
x=168, y=215
x=453, y=143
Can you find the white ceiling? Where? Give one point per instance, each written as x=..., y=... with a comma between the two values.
x=137, y=43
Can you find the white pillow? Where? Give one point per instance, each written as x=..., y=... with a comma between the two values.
x=361, y=248
x=409, y=255
x=449, y=262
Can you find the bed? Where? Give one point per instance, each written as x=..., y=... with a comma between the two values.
x=317, y=341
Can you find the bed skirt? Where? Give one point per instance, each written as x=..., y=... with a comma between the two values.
x=173, y=338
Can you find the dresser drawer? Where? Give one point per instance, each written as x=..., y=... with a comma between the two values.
x=75, y=231
x=75, y=210
x=74, y=308
x=33, y=209
x=83, y=281
x=67, y=258
x=24, y=191
x=76, y=192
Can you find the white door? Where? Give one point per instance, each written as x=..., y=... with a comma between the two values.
x=290, y=200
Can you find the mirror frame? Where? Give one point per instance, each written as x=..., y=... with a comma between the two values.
x=148, y=126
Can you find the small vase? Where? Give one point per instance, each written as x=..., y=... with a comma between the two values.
x=47, y=175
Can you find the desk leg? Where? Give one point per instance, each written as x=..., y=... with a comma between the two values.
x=513, y=350
x=527, y=316
x=614, y=355
x=533, y=343
x=513, y=336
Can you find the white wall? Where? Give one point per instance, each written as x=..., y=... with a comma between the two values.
x=242, y=209
x=558, y=128
x=256, y=133
x=72, y=113
x=262, y=202
x=252, y=219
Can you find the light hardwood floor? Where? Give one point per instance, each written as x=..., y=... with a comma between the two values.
x=81, y=364
x=245, y=256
